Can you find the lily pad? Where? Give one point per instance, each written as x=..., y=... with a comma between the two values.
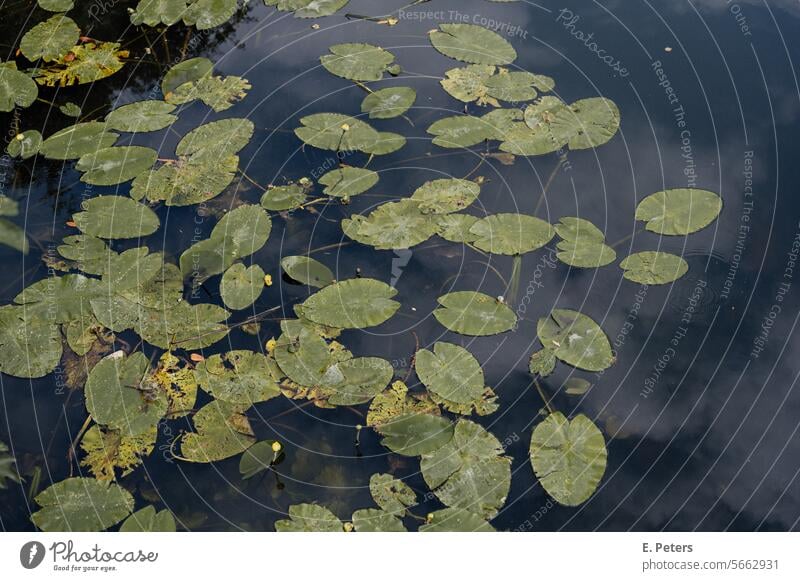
x=373, y=520
x=237, y=377
x=388, y=103
x=118, y=397
x=583, y=244
x=392, y=226
x=189, y=180
x=511, y=233
x=568, y=457
x=460, y=131
x=346, y=182
x=456, y=227
x=241, y=286
x=309, y=518
x=115, y=217
x=185, y=71
x=281, y=198
x=115, y=165
x=443, y=196
x=26, y=144
x=451, y=372
x=356, y=381
x=653, y=267
x=142, y=116
x=82, y=64
x=357, y=61
x=157, y=12
x=78, y=140
x=50, y=39
x=307, y=271
x=219, y=93
x=415, y=434
x=64, y=506
x=351, y=304
x=470, y=471
x=392, y=495
x=258, y=458
x=29, y=346
x=397, y=401
x=474, y=313
x=303, y=355
x=680, y=211
x=217, y=139
x=13, y=236
x=148, y=520
x=55, y=5
x=576, y=340
x=487, y=85
x=336, y=132
x=205, y=14
x=108, y=451
x=16, y=88
x=222, y=431
x=455, y=520
x=472, y=44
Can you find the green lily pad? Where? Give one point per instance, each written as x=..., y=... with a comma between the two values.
x=309, y=518
x=59, y=299
x=70, y=109
x=13, y=236
x=237, y=377
x=205, y=14
x=185, y=71
x=474, y=313
x=451, y=372
x=373, y=520
x=357, y=61
x=115, y=217
x=351, y=304
x=511, y=233
x=568, y=457
x=314, y=8
x=460, y=131
x=222, y=431
x=393, y=225
x=64, y=506
x=219, y=93
x=336, y=132
x=148, y=520
x=588, y=122
x=487, y=85
x=118, y=397
x=307, y=271
x=115, y=165
x=303, y=355
x=217, y=139
x=472, y=44
x=415, y=434
x=182, y=326
x=392, y=495
x=356, y=381
x=142, y=116
x=50, y=39
x=346, y=182
x=470, y=471
x=543, y=362
x=16, y=88
x=258, y=458
x=241, y=286
x=187, y=181
x=55, y=5
x=583, y=244
x=653, y=267
x=680, y=211
x=576, y=340
x=456, y=227
x=455, y=520
x=29, y=346
x=388, y=103
x=26, y=144
x=385, y=143
x=443, y=196
x=281, y=198
x=78, y=140
x=157, y=12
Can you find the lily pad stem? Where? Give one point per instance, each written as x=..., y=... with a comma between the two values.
x=545, y=399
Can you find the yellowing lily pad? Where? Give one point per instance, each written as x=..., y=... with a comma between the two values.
x=237, y=377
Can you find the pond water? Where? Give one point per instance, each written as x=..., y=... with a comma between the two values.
x=700, y=410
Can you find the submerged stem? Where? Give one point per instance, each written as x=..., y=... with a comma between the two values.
x=545, y=399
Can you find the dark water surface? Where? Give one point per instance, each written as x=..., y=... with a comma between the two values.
x=701, y=411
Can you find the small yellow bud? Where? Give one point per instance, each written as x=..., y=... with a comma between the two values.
x=276, y=447
x=271, y=345
x=20, y=137
x=345, y=127
x=315, y=26
x=348, y=527
x=268, y=280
